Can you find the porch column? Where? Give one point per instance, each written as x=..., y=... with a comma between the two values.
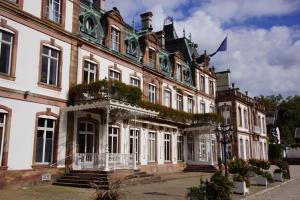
x=211, y=150
x=134, y=145
x=106, y=168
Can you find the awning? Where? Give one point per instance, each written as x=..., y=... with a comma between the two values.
x=112, y=104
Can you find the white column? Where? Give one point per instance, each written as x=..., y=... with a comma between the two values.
x=106, y=168
x=134, y=145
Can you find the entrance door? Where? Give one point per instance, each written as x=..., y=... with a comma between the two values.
x=190, y=143
x=131, y=143
x=87, y=145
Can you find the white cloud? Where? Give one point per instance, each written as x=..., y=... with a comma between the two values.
x=239, y=10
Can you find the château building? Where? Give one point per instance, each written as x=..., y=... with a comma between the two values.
x=52, y=48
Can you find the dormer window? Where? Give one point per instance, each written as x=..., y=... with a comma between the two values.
x=115, y=39
x=178, y=72
x=152, y=57
x=53, y=10
x=89, y=25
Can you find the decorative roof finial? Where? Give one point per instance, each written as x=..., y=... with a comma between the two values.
x=184, y=32
x=190, y=37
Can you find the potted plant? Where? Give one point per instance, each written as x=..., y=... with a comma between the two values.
x=240, y=185
x=258, y=166
x=278, y=175
x=261, y=179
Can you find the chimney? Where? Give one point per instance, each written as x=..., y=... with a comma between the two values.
x=147, y=21
x=102, y=4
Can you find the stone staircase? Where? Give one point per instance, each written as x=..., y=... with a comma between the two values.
x=200, y=168
x=84, y=178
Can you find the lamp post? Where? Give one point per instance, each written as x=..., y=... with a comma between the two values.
x=224, y=134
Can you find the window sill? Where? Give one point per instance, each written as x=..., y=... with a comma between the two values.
x=3, y=168
x=40, y=166
x=152, y=163
x=58, y=24
x=7, y=77
x=50, y=87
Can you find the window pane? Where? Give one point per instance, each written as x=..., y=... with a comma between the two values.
x=115, y=145
x=54, y=53
x=5, y=58
x=85, y=77
x=90, y=143
x=81, y=143
x=110, y=144
x=39, y=146
x=44, y=69
x=41, y=122
x=50, y=123
x=48, y=147
x=2, y=117
x=90, y=127
x=1, y=135
x=53, y=72
x=46, y=50
x=7, y=36
x=82, y=126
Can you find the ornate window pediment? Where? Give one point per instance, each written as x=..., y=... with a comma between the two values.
x=132, y=46
x=165, y=64
x=187, y=74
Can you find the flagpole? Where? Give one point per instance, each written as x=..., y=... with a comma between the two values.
x=228, y=61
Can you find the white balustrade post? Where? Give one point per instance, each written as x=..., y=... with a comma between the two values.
x=106, y=168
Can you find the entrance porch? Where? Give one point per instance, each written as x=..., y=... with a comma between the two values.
x=95, y=134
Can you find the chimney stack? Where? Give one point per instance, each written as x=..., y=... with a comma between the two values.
x=147, y=21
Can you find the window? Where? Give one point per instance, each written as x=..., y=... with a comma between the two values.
x=115, y=39
x=263, y=125
x=226, y=114
x=50, y=66
x=114, y=75
x=202, y=83
x=245, y=118
x=135, y=81
x=202, y=107
x=247, y=149
x=45, y=140
x=202, y=150
x=167, y=98
x=179, y=102
x=152, y=58
x=180, y=148
x=6, y=47
x=89, y=72
x=152, y=93
x=86, y=137
x=241, y=148
x=2, y=134
x=167, y=147
x=53, y=10
x=211, y=88
x=240, y=117
x=190, y=104
x=211, y=109
x=134, y=134
x=151, y=146
x=113, y=140
x=178, y=72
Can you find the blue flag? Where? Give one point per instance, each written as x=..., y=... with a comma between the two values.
x=222, y=47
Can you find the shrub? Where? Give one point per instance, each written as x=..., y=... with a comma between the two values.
x=114, y=192
x=283, y=166
x=268, y=176
x=240, y=167
x=217, y=188
x=275, y=152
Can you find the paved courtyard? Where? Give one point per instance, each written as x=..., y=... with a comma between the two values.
x=169, y=189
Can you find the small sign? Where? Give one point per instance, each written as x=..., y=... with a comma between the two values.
x=46, y=177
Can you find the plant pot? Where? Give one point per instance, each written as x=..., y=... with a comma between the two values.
x=240, y=188
x=278, y=177
x=260, y=180
x=221, y=167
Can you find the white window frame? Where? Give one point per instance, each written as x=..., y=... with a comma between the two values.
x=11, y=47
x=113, y=135
x=134, y=80
x=167, y=101
x=52, y=14
x=3, y=125
x=190, y=104
x=114, y=75
x=49, y=58
x=179, y=101
x=45, y=129
x=152, y=93
x=167, y=146
x=202, y=107
x=245, y=118
x=115, y=38
x=135, y=132
x=152, y=62
x=86, y=132
x=87, y=68
x=202, y=84
x=151, y=146
x=180, y=148
x=242, y=153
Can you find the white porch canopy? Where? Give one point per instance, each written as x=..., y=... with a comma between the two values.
x=112, y=104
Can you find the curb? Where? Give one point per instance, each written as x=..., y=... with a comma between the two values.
x=268, y=189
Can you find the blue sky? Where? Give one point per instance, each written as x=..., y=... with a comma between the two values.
x=263, y=37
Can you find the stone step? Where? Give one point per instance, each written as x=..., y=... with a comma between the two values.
x=86, y=175
x=140, y=176
x=83, y=181
x=79, y=185
x=85, y=178
x=200, y=168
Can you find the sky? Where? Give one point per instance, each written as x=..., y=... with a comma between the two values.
x=263, y=37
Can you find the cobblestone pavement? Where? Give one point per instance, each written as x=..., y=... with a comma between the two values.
x=174, y=187
x=288, y=191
